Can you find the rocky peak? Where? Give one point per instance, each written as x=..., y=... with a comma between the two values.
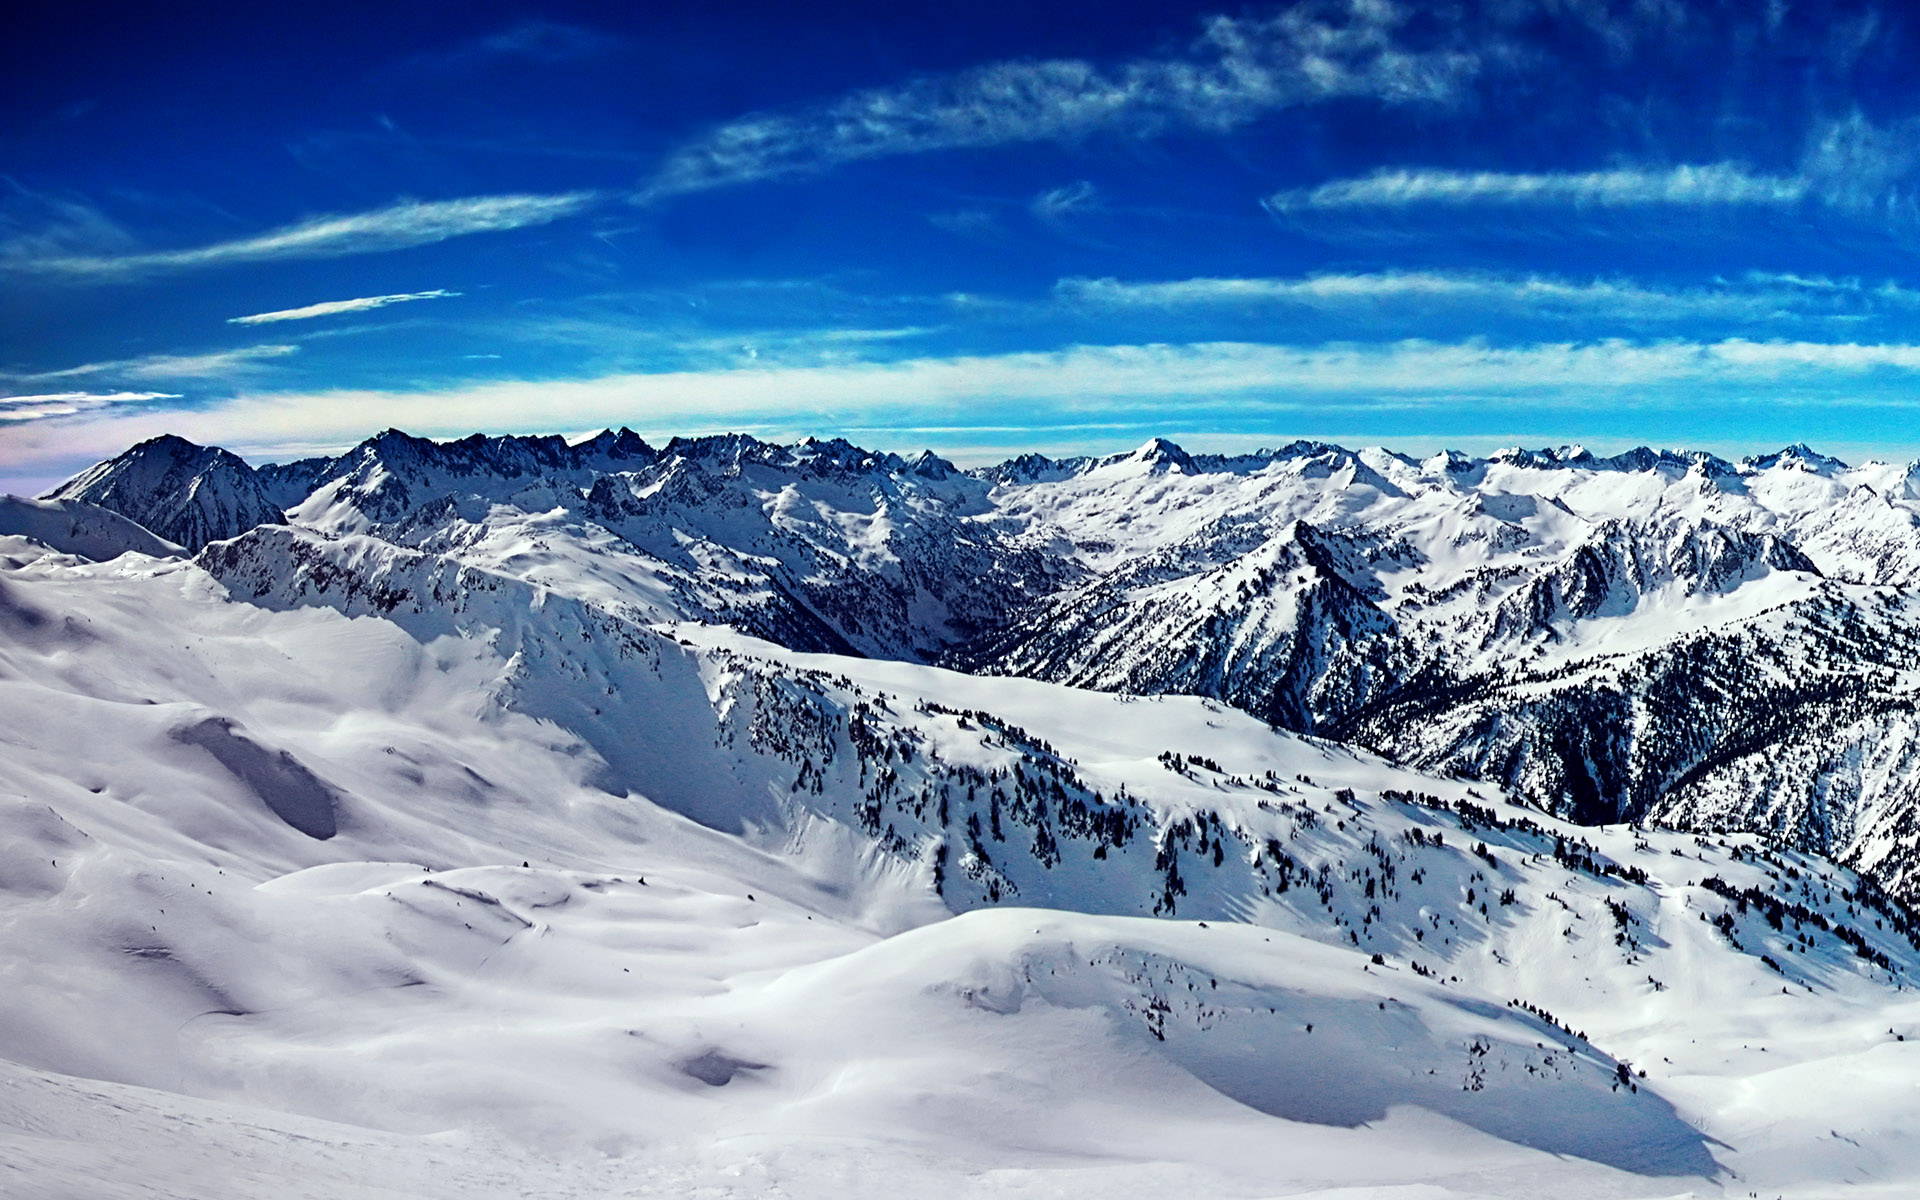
x=183, y=492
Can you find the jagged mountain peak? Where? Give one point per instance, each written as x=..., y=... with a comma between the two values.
x=1156, y=453
x=167, y=448
x=929, y=465
x=476, y=453
x=1519, y=456
x=614, y=449
x=500, y=454
x=183, y=492
x=711, y=445
x=1306, y=448
x=1032, y=467
x=731, y=453
x=1646, y=458
x=610, y=438
x=1637, y=459
x=1797, y=456
x=387, y=477
x=836, y=456
x=1452, y=469
x=393, y=436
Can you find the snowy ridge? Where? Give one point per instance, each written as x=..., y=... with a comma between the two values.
x=81, y=529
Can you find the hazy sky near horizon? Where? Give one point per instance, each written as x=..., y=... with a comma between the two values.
x=983, y=228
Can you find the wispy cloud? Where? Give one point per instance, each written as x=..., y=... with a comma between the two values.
x=1113, y=293
x=38, y=224
x=1239, y=69
x=328, y=308
x=171, y=366
x=540, y=42
x=1754, y=296
x=1056, y=203
x=1849, y=164
x=1859, y=165
x=396, y=227
x=968, y=223
x=67, y=404
x=1886, y=292
x=1712, y=184
x=614, y=342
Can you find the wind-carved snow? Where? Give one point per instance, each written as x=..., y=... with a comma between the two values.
x=516, y=820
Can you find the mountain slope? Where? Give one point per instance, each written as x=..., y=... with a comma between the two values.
x=516, y=942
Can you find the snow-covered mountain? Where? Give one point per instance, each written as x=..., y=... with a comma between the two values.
x=184, y=493
x=513, y=816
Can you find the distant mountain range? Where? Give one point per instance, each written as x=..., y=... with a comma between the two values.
x=1654, y=635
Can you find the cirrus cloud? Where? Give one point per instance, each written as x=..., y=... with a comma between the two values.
x=217, y=364
x=1756, y=296
x=1710, y=184
x=396, y=227
x=328, y=308
x=67, y=404
x=1239, y=69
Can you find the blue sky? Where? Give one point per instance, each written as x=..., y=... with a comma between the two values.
x=1017, y=226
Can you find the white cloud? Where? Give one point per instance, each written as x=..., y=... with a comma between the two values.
x=67, y=404
x=1711, y=184
x=36, y=224
x=1075, y=385
x=1757, y=296
x=1113, y=293
x=893, y=334
x=1237, y=70
x=396, y=227
x=328, y=308
x=89, y=397
x=1849, y=163
x=171, y=366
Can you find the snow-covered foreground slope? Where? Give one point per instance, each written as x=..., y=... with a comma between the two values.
x=333, y=868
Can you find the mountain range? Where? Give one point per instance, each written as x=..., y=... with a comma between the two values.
x=1653, y=636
